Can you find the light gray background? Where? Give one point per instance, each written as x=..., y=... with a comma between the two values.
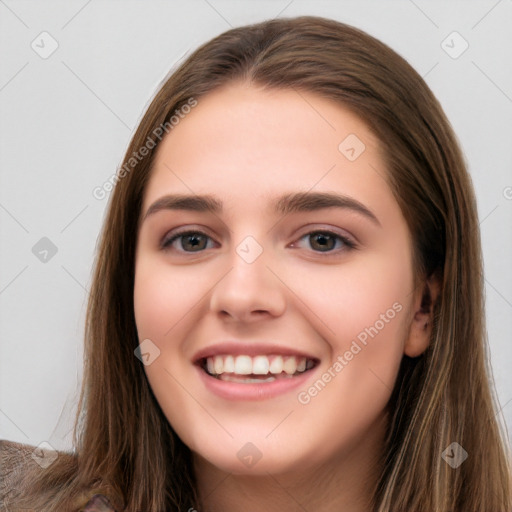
x=66, y=121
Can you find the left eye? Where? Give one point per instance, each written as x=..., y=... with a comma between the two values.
x=325, y=241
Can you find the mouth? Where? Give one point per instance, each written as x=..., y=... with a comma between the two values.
x=257, y=369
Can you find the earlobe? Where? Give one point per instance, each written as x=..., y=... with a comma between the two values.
x=423, y=319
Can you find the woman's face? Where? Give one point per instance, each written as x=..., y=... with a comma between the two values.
x=274, y=329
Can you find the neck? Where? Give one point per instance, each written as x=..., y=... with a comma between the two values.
x=344, y=483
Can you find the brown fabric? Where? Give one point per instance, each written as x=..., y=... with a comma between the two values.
x=15, y=461
x=19, y=464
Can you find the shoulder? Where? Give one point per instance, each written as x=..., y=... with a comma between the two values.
x=20, y=465
x=15, y=461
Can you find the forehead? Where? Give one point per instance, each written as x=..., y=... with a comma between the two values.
x=246, y=141
x=248, y=116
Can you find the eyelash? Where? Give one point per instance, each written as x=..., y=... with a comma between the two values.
x=348, y=244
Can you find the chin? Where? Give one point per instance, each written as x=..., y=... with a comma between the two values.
x=257, y=458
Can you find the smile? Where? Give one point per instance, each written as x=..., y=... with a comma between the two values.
x=255, y=369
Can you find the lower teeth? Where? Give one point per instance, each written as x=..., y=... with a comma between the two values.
x=244, y=380
x=249, y=380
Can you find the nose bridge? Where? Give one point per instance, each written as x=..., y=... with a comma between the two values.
x=248, y=262
x=249, y=250
x=249, y=285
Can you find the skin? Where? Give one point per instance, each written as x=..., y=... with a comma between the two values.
x=247, y=145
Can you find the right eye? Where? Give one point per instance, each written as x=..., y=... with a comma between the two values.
x=190, y=241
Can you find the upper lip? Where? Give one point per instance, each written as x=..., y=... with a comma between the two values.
x=248, y=349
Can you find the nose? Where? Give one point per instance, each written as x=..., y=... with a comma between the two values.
x=249, y=291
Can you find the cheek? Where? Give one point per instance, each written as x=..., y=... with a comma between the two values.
x=161, y=298
x=350, y=392
x=152, y=304
x=163, y=303
x=365, y=306
x=167, y=302
x=366, y=293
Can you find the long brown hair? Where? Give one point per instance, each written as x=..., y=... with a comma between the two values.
x=124, y=444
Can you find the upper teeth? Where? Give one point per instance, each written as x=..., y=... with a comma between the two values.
x=257, y=365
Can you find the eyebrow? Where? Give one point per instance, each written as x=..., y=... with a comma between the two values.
x=284, y=205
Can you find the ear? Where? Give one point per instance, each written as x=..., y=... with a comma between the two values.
x=420, y=330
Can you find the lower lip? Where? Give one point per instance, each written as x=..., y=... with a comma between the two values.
x=253, y=391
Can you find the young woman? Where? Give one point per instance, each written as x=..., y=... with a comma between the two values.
x=287, y=310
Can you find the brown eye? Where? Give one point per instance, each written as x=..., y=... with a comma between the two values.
x=322, y=241
x=190, y=241
x=327, y=241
